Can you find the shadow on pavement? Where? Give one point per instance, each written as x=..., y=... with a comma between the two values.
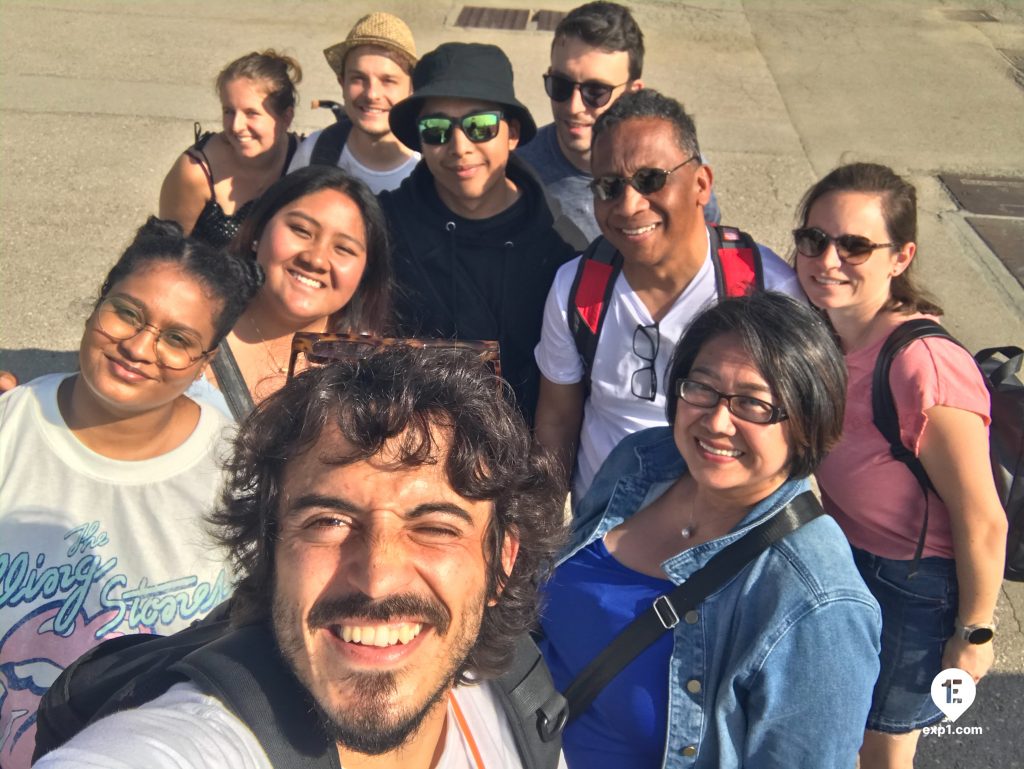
x=995, y=716
x=30, y=362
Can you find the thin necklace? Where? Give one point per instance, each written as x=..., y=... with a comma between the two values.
x=690, y=529
x=277, y=366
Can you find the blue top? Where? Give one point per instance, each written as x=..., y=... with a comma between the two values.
x=627, y=726
x=775, y=669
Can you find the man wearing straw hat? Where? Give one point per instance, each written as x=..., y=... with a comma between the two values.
x=473, y=240
x=374, y=67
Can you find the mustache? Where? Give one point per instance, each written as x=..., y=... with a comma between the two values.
x=359, y=606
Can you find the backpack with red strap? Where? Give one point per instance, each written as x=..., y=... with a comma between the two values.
x=734, y=254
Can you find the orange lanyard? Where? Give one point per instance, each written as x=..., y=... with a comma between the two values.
x=460, y=721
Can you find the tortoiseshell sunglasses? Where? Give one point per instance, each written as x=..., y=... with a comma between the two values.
x=320, y=349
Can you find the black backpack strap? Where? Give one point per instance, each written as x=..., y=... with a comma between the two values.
x=667, y=610
x=120, y=673
x=883, y=407
x=536, y=711
x=330, y=143
x=590, y=296
x=232, y=385
x=244, y=670
x=737, y=261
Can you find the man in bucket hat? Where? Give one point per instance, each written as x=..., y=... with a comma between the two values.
x=474, y=245
x=374, y=67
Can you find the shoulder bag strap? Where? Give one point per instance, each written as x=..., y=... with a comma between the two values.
x=667, y=609
x=232, y=385
x=245, y=671
x=590, y=296
x=330, y=143
x=536, y=710
x=883, y=409
x=737, y=261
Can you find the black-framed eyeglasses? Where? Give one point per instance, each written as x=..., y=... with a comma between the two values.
x=644, y=382
x=812, y=242
x=646, y=181
x=746, y=407
x=594, y=93
x=121, y=319
x=479, y=127
x=321, y=349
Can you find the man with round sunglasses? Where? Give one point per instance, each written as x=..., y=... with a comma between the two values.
x=650, y=189
x=474, y=243
x=597, y=55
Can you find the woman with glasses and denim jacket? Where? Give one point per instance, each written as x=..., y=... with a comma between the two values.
x=775, y=668
x=320, y=237
x=106, y=473
x=854, y=252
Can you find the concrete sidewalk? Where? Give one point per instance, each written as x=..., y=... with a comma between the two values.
x=98, y=98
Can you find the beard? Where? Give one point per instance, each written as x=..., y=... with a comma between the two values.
x=371, y=720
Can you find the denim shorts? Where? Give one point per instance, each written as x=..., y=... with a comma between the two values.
x=918, y=614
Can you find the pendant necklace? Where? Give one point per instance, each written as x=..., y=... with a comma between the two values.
x=690, y=529
x=270, y=353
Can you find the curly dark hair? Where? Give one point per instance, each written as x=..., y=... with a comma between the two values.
x=403, y=397
x=228, y=280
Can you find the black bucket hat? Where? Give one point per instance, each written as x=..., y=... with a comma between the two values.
x=461, y=71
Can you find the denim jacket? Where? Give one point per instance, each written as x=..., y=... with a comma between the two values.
x=776, y=668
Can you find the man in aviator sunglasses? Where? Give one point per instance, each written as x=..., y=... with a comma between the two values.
x=650, y=189
x=473, y=242
x=597, y=55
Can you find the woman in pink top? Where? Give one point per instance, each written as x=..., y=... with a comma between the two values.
x=854, y=251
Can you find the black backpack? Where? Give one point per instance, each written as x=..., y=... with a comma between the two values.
x=244, y=670
x=330, y=142
x=738, y=270
x=1006, y=433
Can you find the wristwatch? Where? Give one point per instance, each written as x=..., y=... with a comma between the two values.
x=975, y=634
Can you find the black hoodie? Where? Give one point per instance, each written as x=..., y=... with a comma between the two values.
x=476, y=278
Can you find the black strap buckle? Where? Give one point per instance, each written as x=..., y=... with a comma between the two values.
x=666, y=612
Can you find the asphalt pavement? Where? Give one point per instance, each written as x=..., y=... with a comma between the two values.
x=98, y=98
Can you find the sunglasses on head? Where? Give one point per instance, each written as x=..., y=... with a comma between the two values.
x=478, y=127
x=812, y=242
x=594, y=93
x=321, y=349
x=646, y=181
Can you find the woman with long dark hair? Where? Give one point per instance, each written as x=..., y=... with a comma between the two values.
x=937, y=583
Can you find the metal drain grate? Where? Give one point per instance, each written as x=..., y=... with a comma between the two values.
x=475, y=17
x=987, y=195
x=1006, y=239
x=970, y=16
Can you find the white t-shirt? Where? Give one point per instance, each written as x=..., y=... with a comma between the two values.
x=611, y=411
x=93, y=547
x=377, y=181
x=186, y=729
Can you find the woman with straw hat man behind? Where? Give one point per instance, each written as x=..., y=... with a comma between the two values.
x=374, y=67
